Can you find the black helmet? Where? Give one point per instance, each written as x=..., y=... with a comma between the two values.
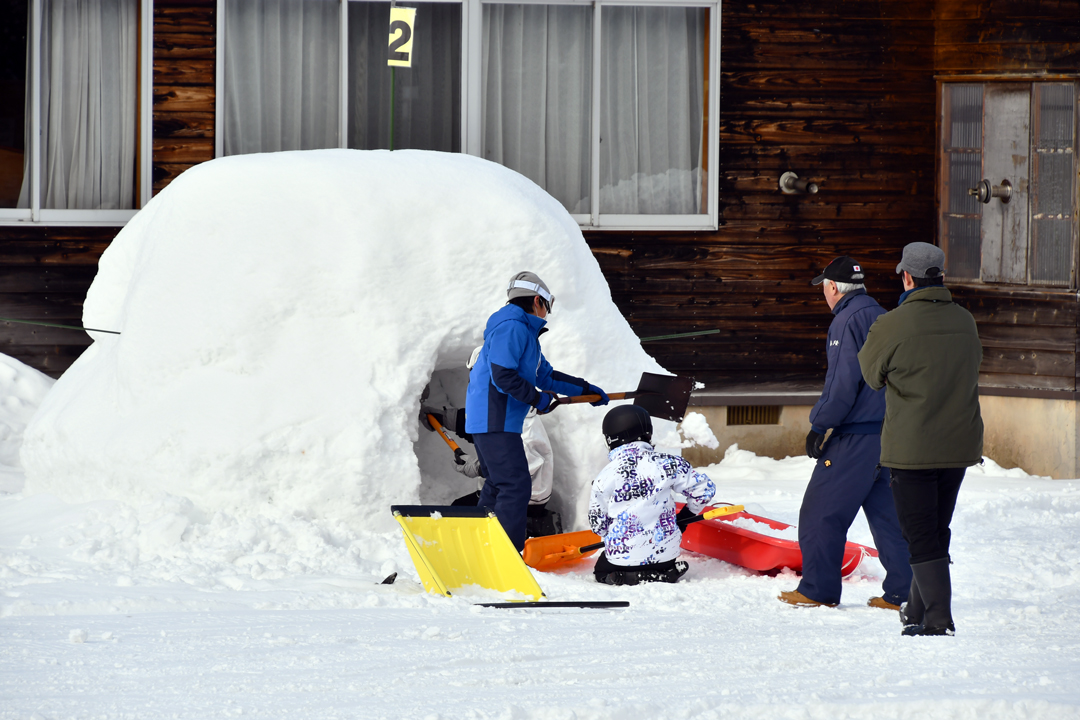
x=625, y=424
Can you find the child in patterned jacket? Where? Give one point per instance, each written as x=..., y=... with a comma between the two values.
x=632, y=508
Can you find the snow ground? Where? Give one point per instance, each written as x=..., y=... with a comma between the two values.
x=282, y=620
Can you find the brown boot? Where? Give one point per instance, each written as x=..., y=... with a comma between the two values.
x=796, y=598
x=880, y=602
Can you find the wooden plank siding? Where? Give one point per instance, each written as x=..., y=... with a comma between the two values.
x=184, y=86
x=839, y=92
x=44, y=275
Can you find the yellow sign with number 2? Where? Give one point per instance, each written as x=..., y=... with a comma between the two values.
x=402, y=21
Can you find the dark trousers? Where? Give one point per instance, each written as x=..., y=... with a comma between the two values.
x=844, y=480
x=509, y=485
x=925, y=500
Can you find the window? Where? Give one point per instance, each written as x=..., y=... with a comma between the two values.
x=1008, y=180
x=605, y=106
x=74, y=129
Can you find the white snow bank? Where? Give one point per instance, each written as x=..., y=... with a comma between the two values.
x=281, y=315
x=21, y=390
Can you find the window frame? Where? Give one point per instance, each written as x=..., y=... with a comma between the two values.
x=38, y=215
x=941, y=201
x=472, y=103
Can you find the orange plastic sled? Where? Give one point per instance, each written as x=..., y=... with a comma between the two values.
x=720, y=539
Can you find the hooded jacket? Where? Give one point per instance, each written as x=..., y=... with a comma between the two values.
x=926, y=354
x=510, y=367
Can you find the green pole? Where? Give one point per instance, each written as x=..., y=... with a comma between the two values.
x=65, y=327
x=679, y=335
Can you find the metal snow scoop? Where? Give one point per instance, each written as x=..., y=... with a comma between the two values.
x=544, y=553
x=662, y=396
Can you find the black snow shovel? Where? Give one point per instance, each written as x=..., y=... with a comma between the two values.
x=662, y=396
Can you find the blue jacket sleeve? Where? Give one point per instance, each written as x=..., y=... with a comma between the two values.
x=842, y=381
x=547, y=378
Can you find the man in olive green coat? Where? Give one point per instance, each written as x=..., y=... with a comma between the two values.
x=926, y=353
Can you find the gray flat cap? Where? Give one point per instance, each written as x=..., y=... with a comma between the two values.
x=922, y=260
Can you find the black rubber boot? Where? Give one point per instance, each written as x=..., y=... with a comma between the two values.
x=935, y=590
x=911, y=612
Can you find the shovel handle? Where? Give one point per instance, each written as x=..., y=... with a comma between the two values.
x=574, y=399
x=458, y=452
x=714, y=513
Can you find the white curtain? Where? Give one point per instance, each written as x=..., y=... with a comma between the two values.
x=652, y=100
x=427, y=96
x=88, y=105
x=537, y=91
x=281, y=75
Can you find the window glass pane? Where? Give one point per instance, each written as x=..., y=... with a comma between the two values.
x=961, y=222
x=397, y=108
x=651, y=113
x=537, y=96
x=88, y=105
x=13, y=21
x=281, y=75
x=1053, y=195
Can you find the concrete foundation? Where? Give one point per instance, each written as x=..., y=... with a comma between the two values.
x=788, y=438
x=1038, y=435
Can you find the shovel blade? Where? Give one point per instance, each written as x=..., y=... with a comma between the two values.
x=664, y=396
x=549, y=551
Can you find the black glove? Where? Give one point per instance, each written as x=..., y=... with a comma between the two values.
x=684, y=516
x=814, y=440
x=426, y=410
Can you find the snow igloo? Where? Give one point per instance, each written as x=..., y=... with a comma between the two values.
x=280, y=316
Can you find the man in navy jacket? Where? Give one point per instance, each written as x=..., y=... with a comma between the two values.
x=502, y=387
x=847, y=475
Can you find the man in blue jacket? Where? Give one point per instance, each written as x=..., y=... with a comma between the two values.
x=502, y=387
x=847, y=476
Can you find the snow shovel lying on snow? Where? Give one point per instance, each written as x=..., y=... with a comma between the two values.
x=544, y=553
x=456, y=547
x=663, y=396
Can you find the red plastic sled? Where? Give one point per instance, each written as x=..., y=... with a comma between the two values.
x=720, y=539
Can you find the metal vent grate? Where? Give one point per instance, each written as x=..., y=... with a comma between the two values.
x=753, y=415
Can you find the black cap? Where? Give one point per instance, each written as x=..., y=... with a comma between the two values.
x=842, y=269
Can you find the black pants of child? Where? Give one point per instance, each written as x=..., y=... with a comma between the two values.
x=611, y=574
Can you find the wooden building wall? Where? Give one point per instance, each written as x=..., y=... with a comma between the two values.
x=184, y=86
x=44, y=275
x=840, y=92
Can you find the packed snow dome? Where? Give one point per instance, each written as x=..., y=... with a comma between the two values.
x=280, y=316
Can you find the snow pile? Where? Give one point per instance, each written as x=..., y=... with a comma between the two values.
x=21, y=390
x=281, y=315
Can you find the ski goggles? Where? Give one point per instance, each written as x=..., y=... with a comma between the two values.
x=547, y=297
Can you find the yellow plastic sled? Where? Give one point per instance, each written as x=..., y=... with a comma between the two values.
x=453, y=547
